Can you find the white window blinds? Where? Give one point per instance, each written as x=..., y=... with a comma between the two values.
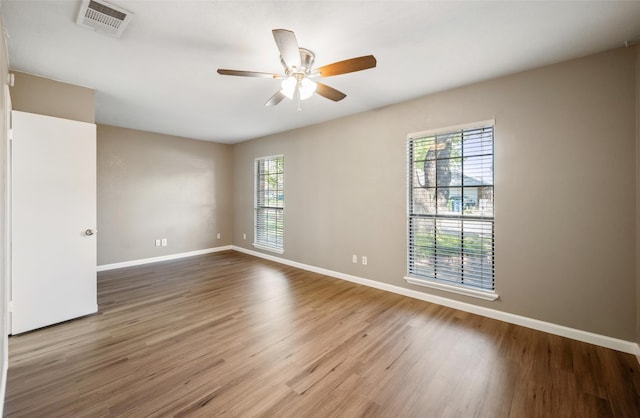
x=269, y=203
x=451, y=195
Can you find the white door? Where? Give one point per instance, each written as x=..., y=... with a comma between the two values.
x=53, y=199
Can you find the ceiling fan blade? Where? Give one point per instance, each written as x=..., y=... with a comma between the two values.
x=275, y=99
x=347, y=66
x=288, y=47
x=240, y=73
x=329, y=92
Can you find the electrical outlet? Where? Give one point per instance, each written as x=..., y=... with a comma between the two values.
x=218, y=235
x=164, y=242
x=364, y=260
x=244, y=236
x=354, y=258
x=157, y=243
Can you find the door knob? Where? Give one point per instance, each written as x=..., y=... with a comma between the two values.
x=89, y=232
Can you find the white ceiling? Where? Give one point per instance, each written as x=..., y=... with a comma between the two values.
x=160, y=76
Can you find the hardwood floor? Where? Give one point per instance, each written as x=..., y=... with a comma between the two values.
x=230, y=334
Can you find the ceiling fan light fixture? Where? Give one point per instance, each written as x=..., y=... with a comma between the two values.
x=289, y=86
x=306, y=87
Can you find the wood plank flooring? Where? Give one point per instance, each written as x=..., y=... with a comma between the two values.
x=233, y=335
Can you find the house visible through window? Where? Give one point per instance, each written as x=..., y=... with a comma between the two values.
x=269, y=203
x=451, y=220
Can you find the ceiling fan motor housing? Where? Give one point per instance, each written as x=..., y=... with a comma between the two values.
x=306, y=60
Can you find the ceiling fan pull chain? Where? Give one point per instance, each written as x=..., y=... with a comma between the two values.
x=297, y=93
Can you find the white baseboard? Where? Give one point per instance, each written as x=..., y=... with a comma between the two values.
x=142, y=261
x=575, y=334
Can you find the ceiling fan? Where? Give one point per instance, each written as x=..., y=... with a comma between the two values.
x=297, y=81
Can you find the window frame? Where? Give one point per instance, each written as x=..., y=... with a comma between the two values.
x=272, y=246
x=432, y=282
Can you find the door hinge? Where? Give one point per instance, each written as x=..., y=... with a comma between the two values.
x=10, y=134
x=10, y=306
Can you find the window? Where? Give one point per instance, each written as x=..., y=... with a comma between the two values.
x=451, y=222
x=269, y=203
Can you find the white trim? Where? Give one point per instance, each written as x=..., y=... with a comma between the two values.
x=268, y=157
x=637, y=353
x=575, y=334
x=5, y=283
x=131, y=263
x=472, y=125
x=486, y=295
x=267, y=248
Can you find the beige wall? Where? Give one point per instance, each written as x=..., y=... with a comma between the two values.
x=565, y=190
x=52, y=98
x=638, y=193
x=153, y=186
x=4, y=72
x=150, y=186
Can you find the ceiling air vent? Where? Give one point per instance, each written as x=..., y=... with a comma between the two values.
x=103, y=17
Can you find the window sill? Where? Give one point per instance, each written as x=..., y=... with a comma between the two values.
x=267, y=248
x=451, y=288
